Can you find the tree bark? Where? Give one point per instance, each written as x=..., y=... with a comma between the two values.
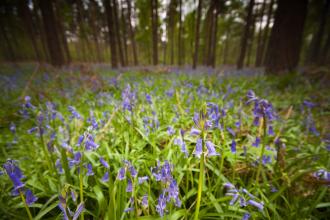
x=245, y=36
x=118, y=32
x=198, y=21
x=154, y=26
x=131, y=32
x=112, y=41
x=26, y=17
x=259, y=42
x=180, y=34
x=286, y=37
x=264, y=40
x=316, y=43
x=53, y=41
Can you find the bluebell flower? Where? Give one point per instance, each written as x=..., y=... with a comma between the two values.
x=29, y=197
x=148, y=98
x=74, y=113
x=195, y=132
x=14, y=173
x=170, y=130
x=79, y=210
x=246, y=216
x=80, y=139
x=199, y=147
x=58, y=165
x=142, y=179
x=180, y=142
x=129, y=187
x=121, y=174
x=129, y=209
x=211, y=149
x=233, y=146
x=258, y=205
x=105, y=177
x=104, y=163
x=132, y=171
x=90, y=144
x=270, y=130
x=89, y=170
x=257, y=142
x=161, y=205
x=231, y=131
x=62, y=206
x=144, y=201
x=12, y=127
x=309, y=104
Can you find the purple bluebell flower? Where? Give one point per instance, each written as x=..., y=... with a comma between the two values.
x=79, y=210
x=12, y=127
x=62, y=206
x=121, y=174
x=73, y=195
x=195, y=132
x=258, y=205
x=309, y=104
x=246, y=216
x=248, y=193
x=29, y=197
x=104, y=163
x=148, y=98
x=132, y=171
x=211, y=149
x=233, y=146
x=231, y=131
x=144, y=201
x=129, y=187
x=14, y=173
x=234, y=199
x=90, y=144
x=257, y=142
x=161, y=205
x=266, y=159
x=105, y=177
x=173, y=190
x=58, y=165
x=270, y=130
x=32, y=130
x=74, y=113
x=80, y=139
x=143, y=179
x=129, y=209
x=170, y=130
x=180, y=142
x=199, y=147
x=89, y=170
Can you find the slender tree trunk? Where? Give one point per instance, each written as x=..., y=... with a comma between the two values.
x=208, y=26
x=53, y=41
x=131, y=32
x=316, y=43
x=250, y=42
x=95, y=29
x=26, y=17
x=324, y=56
x=198, y=21
x=154, y=26
x=112, y=40
x=245, y=36
x=61, y=32
x=264, y=41
x=124, y=25
x=10, y=55
x=259, y=42
x=286, y=38
x=180, y=35
x=226, y=46
x=118, y=32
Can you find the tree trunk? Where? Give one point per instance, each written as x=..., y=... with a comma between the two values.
x=112, y=40
x=286, y=37
x=259, y=42
x=26, y=17
x=198, y=21
x=180, y=35
x=316, y=43
x=264, y=41
x=131, y=32
x=245, y=36
x=61, y=33
x=53, y=41
x=154, y=26
x=118, y=32
x=324, y=57
x=250, y=41
x=95, y=29
x=124, y=25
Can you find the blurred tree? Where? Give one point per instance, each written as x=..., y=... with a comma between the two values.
x=198, y=21
x=112, y=40
x=154, y=26
x=286, y=37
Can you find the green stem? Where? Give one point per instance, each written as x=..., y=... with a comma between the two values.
x=26, y=206
x=262, y=149
x=81, y=186
x=50, y=163
x=65, y=165
x=200, y=186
